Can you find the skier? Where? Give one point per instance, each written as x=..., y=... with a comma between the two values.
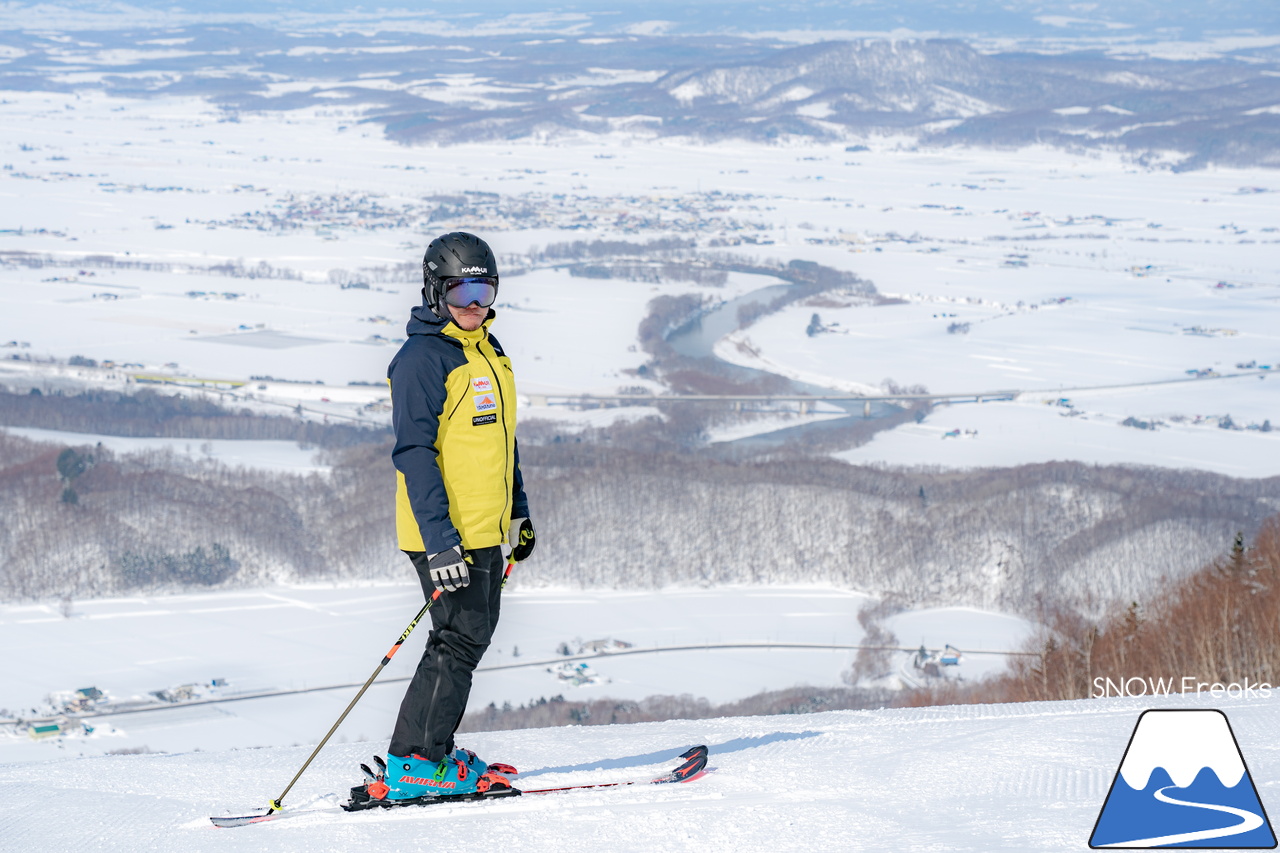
x=459, y=499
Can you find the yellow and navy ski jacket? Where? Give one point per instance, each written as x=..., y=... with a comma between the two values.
x=453, y=409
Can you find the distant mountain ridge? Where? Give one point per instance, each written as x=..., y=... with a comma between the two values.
x=1168, y=20
x=1188, y=113
x=947, y=92
x=868, y=76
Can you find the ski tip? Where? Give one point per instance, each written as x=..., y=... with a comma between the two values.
x=243, y=820
x=695, y=761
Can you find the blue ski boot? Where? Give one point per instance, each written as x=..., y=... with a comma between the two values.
x=415, y=781
x=413, y=777
x=470, y=759
x=475, y=763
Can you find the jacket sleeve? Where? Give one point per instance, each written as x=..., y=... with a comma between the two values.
x=519, y=503
x=417, y=402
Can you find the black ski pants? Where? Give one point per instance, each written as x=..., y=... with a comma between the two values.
x=462, y=624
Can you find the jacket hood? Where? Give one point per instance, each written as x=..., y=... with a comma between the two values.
x=423, y=321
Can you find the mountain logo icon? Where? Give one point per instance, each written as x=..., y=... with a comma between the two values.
x=1183, y=783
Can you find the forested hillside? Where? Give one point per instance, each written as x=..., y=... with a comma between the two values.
x=1212, y=632
x=1016, y=539
x=1071, y=534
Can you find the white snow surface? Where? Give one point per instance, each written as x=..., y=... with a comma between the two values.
x=1071, y=270
x=284, y=456
x=963, y=627
x=291, y=638
x=1026, y=777
x=769, y=421
x=1029, y=431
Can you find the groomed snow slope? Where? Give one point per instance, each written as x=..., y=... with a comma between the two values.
x=982, y=778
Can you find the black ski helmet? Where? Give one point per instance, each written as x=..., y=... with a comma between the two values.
x=450, y=256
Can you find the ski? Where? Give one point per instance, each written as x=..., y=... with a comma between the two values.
x=694, y=767
x=245, y=820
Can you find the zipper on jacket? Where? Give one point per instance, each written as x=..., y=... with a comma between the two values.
x=463, y=346
x=449, y=417
x=506, y=435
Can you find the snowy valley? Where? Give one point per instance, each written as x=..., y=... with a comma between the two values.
x=853, y=365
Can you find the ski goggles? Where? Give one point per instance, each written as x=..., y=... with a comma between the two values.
x=461, y=292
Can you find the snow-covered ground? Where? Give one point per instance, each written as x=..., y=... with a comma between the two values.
x=962, y=627
x=781, y=416
x=994, y=434
x=316, y=332
x=295, y=638
x=1027, y=777
x=285, y=456
x=1070, y=270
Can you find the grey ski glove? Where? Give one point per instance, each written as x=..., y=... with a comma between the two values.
x=521, y=539
x=449, y=569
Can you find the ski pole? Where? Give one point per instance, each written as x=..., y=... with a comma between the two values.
x=276, y=803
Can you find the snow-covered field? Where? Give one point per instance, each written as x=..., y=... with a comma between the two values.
x=1028, y=777
x=1069, y=270
x=1033, y=430
x=190, y=247
x=284, y=456
x=295, y=638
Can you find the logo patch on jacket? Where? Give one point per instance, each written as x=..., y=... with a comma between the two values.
x=481, y=385
x=481, y=420
x=485, y=402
